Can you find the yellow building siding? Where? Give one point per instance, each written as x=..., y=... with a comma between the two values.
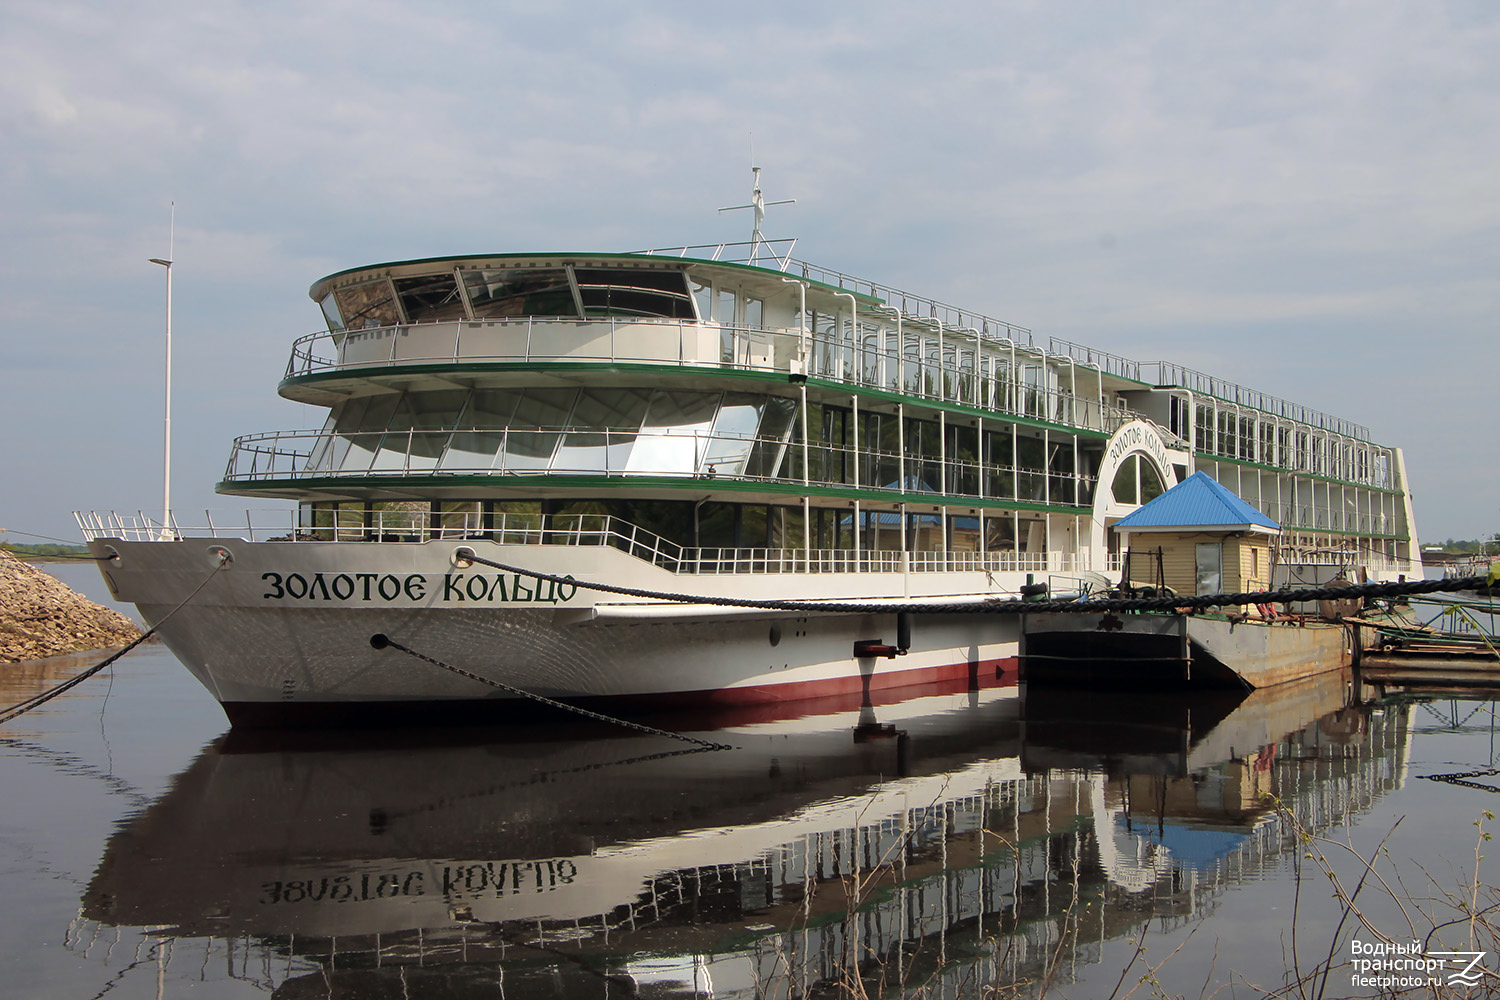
x=1245, y=565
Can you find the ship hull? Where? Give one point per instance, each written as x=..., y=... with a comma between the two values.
x=281, y=635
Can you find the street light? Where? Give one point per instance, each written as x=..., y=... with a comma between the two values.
x=166, y=481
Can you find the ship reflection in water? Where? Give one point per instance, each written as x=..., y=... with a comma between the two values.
x=952, y=840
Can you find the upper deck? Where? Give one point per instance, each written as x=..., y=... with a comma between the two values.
x=663, y=307
x=506, y=319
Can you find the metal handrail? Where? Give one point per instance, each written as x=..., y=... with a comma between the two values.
x=957, y=377
x=918, y=308
x=1170, y=374
x=912, y=306
x=394, y=526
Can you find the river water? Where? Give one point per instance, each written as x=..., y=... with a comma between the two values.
x=953, y=843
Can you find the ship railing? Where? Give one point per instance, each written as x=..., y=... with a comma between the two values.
x=965, y=366
x=1113, y=364
x=1166, y=373
x=392, y=525
x=262, y=525
x=1352, y=557
x=916, y=307
x=635, y=451
x=1329, y=517
x=775, y=254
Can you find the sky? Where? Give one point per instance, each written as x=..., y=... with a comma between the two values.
x=1302, y=197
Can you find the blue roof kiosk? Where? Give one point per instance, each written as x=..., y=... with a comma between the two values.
x=1198, y=538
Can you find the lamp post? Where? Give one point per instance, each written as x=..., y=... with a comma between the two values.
x=166, y=482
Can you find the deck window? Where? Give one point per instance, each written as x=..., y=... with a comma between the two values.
x=360, y=427
x=602, y=429
x=703, y=298
x=480, y=434
x=418, y=429
x=533, y=434
x=675, y=433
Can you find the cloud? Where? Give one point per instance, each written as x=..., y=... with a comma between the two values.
x=1297, y=193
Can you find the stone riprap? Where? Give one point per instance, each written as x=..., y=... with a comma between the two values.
x=41, y=616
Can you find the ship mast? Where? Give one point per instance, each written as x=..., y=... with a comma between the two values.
x=758, y=203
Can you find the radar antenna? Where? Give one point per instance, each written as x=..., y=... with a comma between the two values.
x=759, y=203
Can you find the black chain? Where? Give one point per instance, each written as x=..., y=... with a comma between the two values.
x=1460, y=778
x=464, y=553
x=380, y=641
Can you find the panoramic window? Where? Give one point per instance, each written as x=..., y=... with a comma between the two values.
x=366, y=306
x=601, y=430
x=675, y=429
x=331, y=316
x=496, y=293
x=430, y=297
x=419, y=429
x=634, y=292
x=481, y=434
x=533, y=437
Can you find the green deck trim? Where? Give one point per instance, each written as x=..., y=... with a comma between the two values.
x=964, y=409
x=562, y=258
x=695, y=484
x=1209, y=457
x=778, y=378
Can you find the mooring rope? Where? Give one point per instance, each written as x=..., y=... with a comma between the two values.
x=37, y=700
x=381, y=641
x=465, y=553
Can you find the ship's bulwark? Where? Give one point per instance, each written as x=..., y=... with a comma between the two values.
x=281, y=636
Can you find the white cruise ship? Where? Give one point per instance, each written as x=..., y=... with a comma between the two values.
x=687, y=422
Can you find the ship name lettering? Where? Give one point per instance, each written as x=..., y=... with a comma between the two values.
x=342, y=888
x=343, y=586
x=478, y=587
x=507, y=877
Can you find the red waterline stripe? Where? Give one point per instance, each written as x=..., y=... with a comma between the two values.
x=713, y=708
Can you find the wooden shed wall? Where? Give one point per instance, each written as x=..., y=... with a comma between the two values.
x=1246, y=560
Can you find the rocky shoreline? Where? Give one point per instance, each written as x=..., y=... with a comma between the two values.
x=41, y=616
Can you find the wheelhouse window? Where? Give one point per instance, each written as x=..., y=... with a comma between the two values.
x=331, y=316
x=430, y=297
x=368, y=305
x=634, y=292
x=496, y=293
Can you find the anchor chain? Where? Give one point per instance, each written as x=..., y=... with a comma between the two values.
x=1461, y=778
x=381, y=641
